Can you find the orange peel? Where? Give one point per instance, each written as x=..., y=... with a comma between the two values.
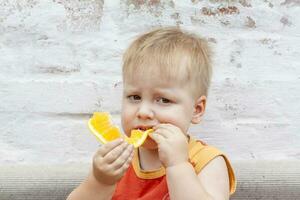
x=102, y=127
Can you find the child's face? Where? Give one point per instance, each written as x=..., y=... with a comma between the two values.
x=149, y=101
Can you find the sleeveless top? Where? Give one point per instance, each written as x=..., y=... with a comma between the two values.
x=148, y=185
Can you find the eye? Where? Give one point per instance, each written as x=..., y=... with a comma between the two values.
x=134, y=97
x=163, y=100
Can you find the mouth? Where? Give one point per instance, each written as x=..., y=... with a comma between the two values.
x=143, y=128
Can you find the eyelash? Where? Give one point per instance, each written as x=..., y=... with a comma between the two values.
x=168, y=101
x=133, y=98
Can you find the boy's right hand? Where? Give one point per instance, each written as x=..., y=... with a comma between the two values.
x=111, y=161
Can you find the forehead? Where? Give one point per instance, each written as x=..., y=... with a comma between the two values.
x=154, y=74
x=149, y=82
x=156, y=85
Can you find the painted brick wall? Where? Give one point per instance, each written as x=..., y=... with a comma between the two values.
x=60, y=61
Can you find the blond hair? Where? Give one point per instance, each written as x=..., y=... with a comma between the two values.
x=172, y=53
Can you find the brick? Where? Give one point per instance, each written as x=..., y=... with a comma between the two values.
x=58, y=96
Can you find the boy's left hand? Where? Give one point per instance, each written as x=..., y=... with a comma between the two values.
x=172, y=144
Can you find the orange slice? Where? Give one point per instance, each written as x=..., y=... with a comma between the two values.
x=138, y=137
x=105, y=131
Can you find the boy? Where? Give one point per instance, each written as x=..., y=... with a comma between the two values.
x=166, y=75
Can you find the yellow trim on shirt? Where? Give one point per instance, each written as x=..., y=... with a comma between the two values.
x=145, y=174
x=199, y=156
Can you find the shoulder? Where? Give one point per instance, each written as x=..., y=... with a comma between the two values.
x=200, y=154
x=211, y=165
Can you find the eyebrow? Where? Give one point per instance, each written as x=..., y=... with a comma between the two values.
x=155, y=91
x=159, y=90
x=168, y=92
x=130, y=89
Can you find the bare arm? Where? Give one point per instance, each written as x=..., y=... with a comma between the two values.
x=211, y=183
x=91, y=189
x=109, y=165
x=183, y=183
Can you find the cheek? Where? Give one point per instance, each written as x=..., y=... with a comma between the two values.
x=177, y=118
x=126, y=118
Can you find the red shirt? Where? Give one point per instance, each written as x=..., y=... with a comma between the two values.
x=151, y=185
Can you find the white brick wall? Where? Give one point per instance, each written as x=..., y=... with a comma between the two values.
x=60, y=61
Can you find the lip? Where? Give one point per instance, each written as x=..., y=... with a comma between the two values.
x=143, y=127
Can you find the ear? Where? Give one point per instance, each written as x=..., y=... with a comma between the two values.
x=199, y=109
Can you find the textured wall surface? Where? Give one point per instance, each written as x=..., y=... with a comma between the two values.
x=60, y=61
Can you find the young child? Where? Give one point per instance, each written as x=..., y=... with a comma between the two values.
x=166, y=76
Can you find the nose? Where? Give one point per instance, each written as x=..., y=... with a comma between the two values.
x=145, y=111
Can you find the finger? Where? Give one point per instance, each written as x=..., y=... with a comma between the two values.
x=104, y=149
x=165, y=133
x=123, y=158
x=125, y=166
x=114, y=154
x=169, y=129
x=158, y=138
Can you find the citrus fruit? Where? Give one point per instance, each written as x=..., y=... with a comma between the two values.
x=101, y=125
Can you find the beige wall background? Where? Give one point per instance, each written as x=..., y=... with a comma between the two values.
x=60, y=61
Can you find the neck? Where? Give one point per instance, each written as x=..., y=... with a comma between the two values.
x=149, y=159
